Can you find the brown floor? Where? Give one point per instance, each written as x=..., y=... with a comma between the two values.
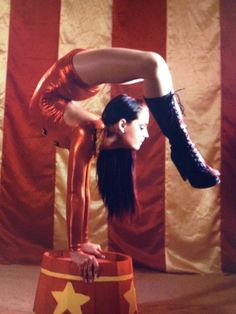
x=156, y=293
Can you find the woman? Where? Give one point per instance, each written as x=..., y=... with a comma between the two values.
x=122, y=129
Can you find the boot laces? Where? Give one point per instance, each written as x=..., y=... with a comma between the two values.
x=178, y=100
x=179, y=110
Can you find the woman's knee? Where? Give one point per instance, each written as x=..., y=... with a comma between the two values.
x=153, y=63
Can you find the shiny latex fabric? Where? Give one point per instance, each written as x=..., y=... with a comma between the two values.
x=78, y=196
x=60, y=85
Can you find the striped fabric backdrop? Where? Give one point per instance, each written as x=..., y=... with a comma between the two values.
x=178, y=229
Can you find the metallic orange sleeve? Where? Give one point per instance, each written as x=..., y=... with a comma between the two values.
x=78, y=197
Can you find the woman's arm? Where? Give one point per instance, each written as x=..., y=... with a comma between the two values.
x=78, y=189
x=78, y=201
x=78, y=198
x=78, y=194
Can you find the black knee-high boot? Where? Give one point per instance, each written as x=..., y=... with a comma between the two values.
x=187, y=159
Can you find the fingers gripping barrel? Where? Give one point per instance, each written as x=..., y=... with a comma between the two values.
x=62, y=290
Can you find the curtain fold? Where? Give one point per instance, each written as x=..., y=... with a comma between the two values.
x=178, y=228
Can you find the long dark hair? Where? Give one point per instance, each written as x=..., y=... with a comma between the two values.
x=115, y=167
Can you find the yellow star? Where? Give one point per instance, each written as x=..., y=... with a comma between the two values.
x=130, y=297
x=69, y=300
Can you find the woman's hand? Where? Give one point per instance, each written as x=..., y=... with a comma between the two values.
x=91, y=248
x=88, y=265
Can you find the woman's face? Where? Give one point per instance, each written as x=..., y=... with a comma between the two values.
x=135, y=132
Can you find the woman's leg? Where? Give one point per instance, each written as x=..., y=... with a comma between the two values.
x=120, y=65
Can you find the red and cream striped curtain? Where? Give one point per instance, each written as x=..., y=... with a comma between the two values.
x=178, y=229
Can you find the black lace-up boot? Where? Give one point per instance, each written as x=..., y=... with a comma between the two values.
x=187, y=159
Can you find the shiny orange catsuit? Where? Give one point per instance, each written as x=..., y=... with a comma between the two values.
x=59, y=86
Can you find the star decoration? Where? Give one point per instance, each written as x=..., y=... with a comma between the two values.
x=69, y=300
x=130, y=297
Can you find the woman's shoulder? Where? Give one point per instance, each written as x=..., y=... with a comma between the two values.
x=95, y=126
x=88, y=134
x=98, y=124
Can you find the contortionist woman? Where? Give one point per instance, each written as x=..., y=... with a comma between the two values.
x=114, y=137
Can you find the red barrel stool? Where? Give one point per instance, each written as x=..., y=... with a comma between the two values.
x=62, y=291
